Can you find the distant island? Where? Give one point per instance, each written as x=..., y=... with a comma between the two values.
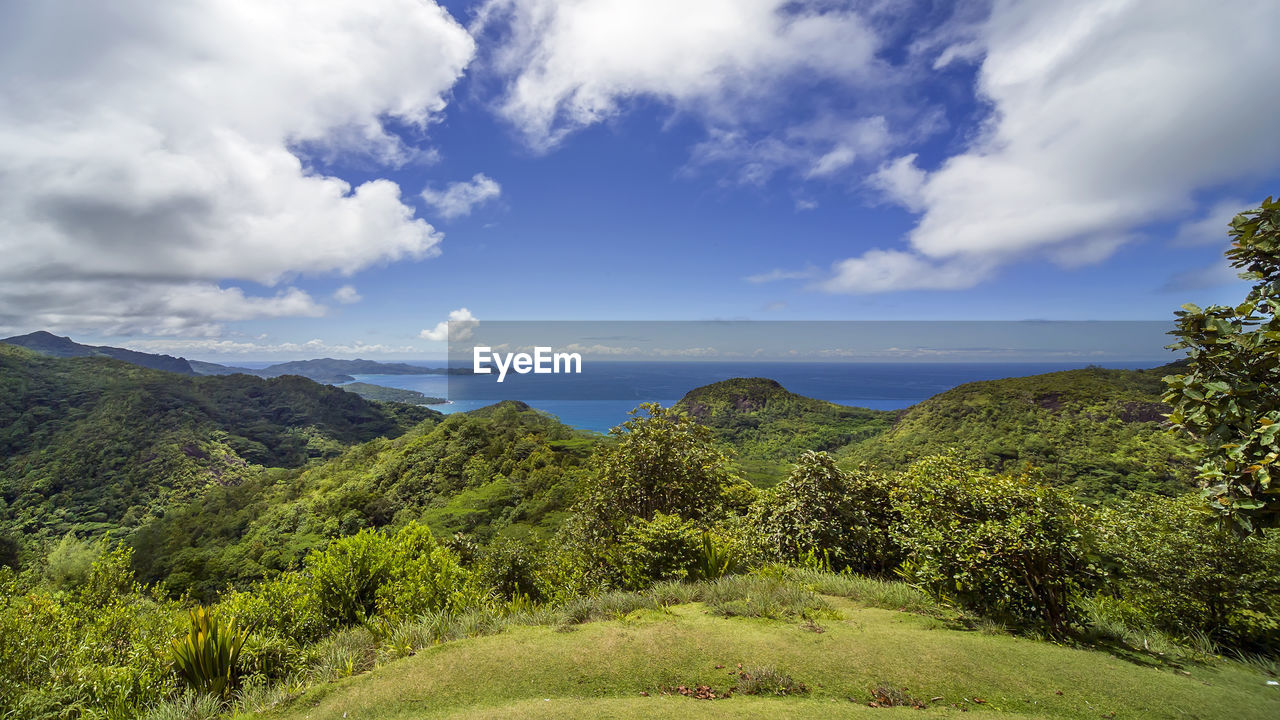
x=390, y=394
x=324, y=370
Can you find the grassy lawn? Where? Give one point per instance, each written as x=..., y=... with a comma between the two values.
x=600, y=669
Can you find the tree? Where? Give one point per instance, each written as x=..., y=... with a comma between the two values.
x=820, y=510
x=664, y=462
x=1228, y=400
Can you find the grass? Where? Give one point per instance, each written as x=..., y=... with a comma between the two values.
x=613, y=658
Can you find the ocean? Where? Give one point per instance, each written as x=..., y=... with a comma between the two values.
x=601, y=399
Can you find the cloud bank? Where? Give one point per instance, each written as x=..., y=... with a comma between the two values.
x=1105, y=116
x=148, y=153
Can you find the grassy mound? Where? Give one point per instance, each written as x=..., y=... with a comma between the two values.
x=834, y=663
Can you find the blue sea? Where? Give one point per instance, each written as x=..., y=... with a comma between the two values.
x=601, y=399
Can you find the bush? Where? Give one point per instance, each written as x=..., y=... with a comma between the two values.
x=69, y=563
x=1178, y=572
x=400, y=576
x=284, y=605
x=820, y=510
x=997, y=544
x=664, y=548
x=509, y=569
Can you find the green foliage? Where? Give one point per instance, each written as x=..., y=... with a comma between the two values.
x=1178, y=572
x=389, y=394
x=1099, y=433
x=399, y=575
x=92, y=444
x=68, y=564
x=664, y=547
x=505, y=471
x=92, y=652
x=510, y=569
x=662, y=462
x=717, y=558
x=997, y=544
x=206, y=657
x=821, y=510
x=768, y=427
x=1228, y=400
x=284, y=605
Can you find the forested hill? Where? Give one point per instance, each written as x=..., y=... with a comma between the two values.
x=504, y=471
x=769, y=426
x=1099, y=432
x=91, y=443
x=47, y=343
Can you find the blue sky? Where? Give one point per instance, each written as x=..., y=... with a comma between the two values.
x=617, y=160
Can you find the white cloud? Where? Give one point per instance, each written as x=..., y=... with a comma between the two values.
x=885, y=270
x=130, y=306
x=571, y=64
x=1211, y=227
x=900, y=181
x=816, y=149
x=147, y=145
x=458, y=327
x=347, y=295
x=459, y=198
x=780, y=274
x=1105, y=116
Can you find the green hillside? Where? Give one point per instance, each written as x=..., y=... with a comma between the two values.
x=503, y=470
x=46, y=343
x=95, y=443
x=633, y=666
x=1098, y=432
x=769, y=426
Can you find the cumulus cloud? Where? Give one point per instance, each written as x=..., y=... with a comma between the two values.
x=347, y=295
x=1105, y=116
x=156, y=146
x=458, y=327
x=459, y=198
x=574, y=64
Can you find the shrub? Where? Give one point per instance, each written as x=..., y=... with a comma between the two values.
x=208, y=655
x=1178, y=572
x=69, y=563
x=400, y=576
x=509, y=569
x=284, y=605
x=998, y=544
x=822, y=511
x=648, y=551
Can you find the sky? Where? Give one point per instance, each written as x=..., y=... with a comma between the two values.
x=239, y=180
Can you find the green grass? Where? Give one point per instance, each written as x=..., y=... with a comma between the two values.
x=601, y=669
